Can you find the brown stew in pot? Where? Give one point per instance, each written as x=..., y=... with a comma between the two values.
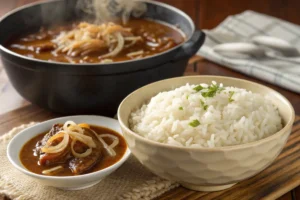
x=105, y=43
x=72, y=149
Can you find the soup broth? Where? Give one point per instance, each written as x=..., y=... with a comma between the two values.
x=154, y=37
x=30, y=160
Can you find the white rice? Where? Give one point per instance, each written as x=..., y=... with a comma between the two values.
x=244, y=118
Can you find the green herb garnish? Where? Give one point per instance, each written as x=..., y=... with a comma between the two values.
x=198, y=88
x=204, y=105
x=180, y=108
x=212, y=91
x=231, y=93
x=187, y=96
x=194, y=123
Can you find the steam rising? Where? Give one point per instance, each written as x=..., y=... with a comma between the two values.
x=112, y=10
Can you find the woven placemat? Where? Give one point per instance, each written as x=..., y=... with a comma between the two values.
x=130, y=181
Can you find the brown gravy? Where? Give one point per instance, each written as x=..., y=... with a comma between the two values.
x=30, y=161
x=151, y=32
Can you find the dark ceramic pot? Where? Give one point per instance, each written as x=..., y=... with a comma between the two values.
x=88, y=88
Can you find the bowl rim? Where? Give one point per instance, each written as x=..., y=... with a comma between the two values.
x=286, y=128
x=23, y=169
x=180, y=12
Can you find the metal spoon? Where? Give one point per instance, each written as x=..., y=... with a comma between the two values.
x=264, y=46
x=237, y=48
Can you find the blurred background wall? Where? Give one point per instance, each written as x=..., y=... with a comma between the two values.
x=209, y=13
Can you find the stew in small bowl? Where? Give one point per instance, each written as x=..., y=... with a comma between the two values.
x=70, y=152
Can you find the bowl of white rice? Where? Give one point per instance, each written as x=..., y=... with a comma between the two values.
x=206, y=132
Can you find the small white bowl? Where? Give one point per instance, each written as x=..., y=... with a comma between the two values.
x=64, y=182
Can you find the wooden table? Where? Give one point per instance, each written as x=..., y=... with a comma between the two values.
x=197, y=66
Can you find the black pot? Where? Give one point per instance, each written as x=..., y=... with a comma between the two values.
x=88, y=88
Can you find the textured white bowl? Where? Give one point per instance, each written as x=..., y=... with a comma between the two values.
x=64, y=182
x=205, y=169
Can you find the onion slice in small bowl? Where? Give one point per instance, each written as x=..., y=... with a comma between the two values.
x=53, y=170
x=83, y=138
x=114, y=138
x=57, y=148
x=80, y=155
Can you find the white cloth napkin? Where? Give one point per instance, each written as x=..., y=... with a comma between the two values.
x=242, y=27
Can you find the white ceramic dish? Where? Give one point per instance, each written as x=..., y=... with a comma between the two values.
x=205, y=169
x=64, y=182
